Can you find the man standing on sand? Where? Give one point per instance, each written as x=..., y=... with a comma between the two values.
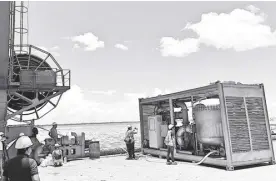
x=130, y=142
x=169, y=141
x=53, y=132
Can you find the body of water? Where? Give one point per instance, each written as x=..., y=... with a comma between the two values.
x=110, y=135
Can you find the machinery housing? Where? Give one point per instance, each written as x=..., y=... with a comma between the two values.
x=236, y=128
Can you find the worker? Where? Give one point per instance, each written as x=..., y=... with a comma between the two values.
x=169, y=141
x=21, y=167
x=35, y=146
x=130, y=142
x=57, y=156
x=34, y=138
x=1, y=151
x=53, y=132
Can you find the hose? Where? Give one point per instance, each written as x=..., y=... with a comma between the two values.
x=206, y=156
x=196, y=163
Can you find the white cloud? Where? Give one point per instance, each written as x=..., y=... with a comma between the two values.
x=178, y=48
x=240, y=30
x=252, y=8
x=76, y=46
x=72, y=108
x=120, y=46
x=109, y=92
x=158, y=92
x=89, y=40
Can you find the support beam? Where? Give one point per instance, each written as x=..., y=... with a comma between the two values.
x=22, y=97
x=32, y=105
x=225, y=126
x=141, y=125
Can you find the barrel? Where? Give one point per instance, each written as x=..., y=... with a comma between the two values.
x=94, y=149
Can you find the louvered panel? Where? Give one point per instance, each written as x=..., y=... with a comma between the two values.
x=238, y=126
x=257, y=122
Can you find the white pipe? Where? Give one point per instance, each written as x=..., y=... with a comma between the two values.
x=206, y=156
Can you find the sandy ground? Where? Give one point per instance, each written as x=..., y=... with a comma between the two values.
x=116, y=168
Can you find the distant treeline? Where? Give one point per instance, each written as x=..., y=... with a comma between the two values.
x=76, y=124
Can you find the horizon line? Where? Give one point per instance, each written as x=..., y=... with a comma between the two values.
x=88, y=123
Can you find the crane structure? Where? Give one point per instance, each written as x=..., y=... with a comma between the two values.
x=31, y=80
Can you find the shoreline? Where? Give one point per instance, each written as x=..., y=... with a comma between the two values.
x=92, y=123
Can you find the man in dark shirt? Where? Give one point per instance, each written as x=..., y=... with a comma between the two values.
x=21, y=167
x=53, y=132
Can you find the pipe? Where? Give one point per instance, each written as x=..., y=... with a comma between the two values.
x=194, y=163
x=206, y=156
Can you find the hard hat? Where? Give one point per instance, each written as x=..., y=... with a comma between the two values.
x=56, y=144
x=21, y=134
x=54, y=123
x=1, y=133
x=171, y=126
x=23, y=142
x=129, y=126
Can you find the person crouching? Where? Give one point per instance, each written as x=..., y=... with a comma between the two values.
x=21, y=167
x=57, y=156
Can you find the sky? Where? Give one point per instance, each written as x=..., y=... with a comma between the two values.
x=121, y=51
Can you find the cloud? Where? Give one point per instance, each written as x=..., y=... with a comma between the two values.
x=76, y=46
x=109, y=92
x=89, y=40
x=178, y=48
x=158, y=92
x=120, y=46
x=73, y=108
x=239, y=30
x=252, y=8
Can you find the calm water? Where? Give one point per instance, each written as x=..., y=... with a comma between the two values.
x=110, y=135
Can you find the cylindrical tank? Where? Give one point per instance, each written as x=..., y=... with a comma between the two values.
x=208, y=124
x=94, y=149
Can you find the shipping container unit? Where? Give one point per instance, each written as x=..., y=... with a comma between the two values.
x=222, y=124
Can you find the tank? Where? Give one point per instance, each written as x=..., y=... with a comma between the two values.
x=208, y=125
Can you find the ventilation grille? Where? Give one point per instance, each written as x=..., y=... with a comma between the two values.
x=238, y=124
x=257, y=122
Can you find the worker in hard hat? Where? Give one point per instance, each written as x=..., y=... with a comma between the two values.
x=53, y=132
x=130, y=141
x=169, y=141
x=21, y=167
